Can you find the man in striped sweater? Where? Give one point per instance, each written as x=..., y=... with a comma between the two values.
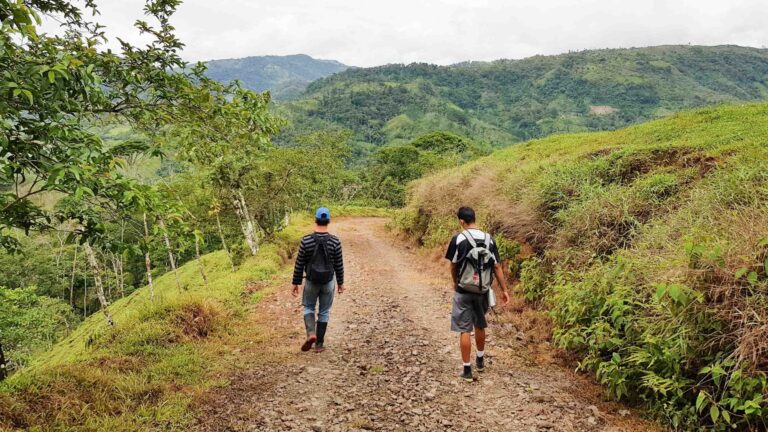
x=320, y=259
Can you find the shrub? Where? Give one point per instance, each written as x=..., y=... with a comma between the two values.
x=30, y=323
x=534, y=279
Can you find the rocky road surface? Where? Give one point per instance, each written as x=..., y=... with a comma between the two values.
x=392, y=363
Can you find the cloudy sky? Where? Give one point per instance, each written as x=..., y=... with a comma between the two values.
x=374, y=32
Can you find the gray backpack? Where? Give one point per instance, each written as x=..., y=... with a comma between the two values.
x=476, y=271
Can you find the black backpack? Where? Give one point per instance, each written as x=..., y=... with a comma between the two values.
x=320, y=268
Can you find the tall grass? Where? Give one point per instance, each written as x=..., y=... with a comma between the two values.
x=650, y=247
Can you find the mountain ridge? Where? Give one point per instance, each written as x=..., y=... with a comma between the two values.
x=508, y=101
x=284, y=76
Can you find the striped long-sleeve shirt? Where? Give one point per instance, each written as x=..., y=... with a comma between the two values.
x=307, y=249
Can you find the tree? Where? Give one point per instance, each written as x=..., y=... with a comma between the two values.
x=447, y=143
x=393, y=167
x=311, y=170
x=226, y=141
x=54, y=88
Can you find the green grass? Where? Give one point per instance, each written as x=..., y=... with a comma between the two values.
x=650, y=249
x=144, y=373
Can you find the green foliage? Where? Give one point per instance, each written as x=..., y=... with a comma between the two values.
x=447, y=143
x=509, y=251
x=43, y=264
x=507, y=101
x=650, y=254
x=392, y=167
x=31, y=324
x=534, y=279
x=53, y=90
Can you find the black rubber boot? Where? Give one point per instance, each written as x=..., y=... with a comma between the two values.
x=467, y=375
x=309, y=323
x=321, y=328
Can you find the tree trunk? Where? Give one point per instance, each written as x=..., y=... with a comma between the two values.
x=248, y=218
x=3, y=367
x=120, y=262
x=85, y=296
x=60, y=273
x=148, y=260
x=167, y=241
x=122, y=275
x=94, y=263
x=72, y=281
x=224, y=242
x=200, y=264
x=108, y=283
x=246, y=223
x=116, y=271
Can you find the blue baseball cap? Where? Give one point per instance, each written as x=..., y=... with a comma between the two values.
x=323, y=214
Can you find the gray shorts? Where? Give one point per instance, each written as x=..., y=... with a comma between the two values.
x=468, y=312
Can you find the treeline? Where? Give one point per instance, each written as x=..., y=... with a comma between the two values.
x=506, y=101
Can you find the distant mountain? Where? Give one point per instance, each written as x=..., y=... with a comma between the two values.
x=285, y=76
x=508, y=101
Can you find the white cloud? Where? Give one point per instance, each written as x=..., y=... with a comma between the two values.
x=373, y=32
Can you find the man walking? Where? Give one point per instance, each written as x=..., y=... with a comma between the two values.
x=320, y=259
x=474, y=262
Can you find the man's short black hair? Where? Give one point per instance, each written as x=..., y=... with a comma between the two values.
x=467, y=214
x=323, y=221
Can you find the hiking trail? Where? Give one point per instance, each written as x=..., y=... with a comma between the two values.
x=392, y=363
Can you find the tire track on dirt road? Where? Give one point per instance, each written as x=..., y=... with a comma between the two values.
x=392, y=363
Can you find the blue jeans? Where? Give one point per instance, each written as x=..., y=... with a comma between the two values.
x=318, y=293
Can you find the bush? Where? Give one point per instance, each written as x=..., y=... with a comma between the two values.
x=534, y=279
x=30, y=323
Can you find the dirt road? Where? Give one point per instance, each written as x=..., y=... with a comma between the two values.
x=392, y=363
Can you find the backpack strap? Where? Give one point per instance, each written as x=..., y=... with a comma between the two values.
x=319, y=240
x=469, y=238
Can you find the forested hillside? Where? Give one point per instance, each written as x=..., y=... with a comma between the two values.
x=286, y=77
x=507, y=101
x=647, y=247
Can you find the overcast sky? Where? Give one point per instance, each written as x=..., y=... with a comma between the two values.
x=375, y=32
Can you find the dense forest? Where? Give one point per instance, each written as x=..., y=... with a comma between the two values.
x=507, y=101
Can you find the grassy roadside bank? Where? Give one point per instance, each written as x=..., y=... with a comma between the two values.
x=648, y=248
x=161, y=354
